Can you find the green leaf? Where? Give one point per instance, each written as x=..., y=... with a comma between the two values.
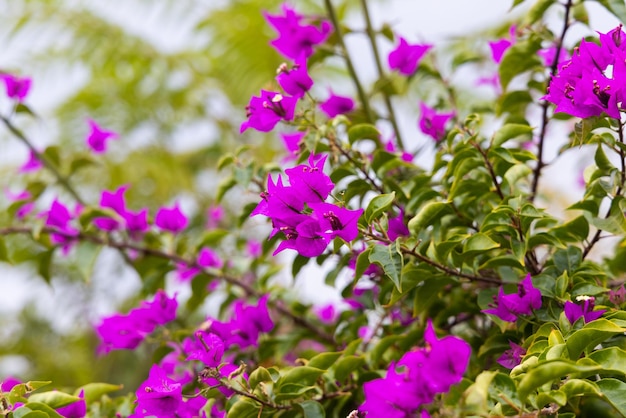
x=44, y=263
x=379, y=205
x=614, y=390
x=224, y=186
x=54, y=399
x=602, y=161
x=363, y=131
x=347, y=365
x=362, y=263
x=548, y=371
x=431, y=212
x=244, y=408
x=517, y=59
x=568, y=259
x=479, y=242
x=29, y=414
x=94, y=391
x=579, y=387
x=42, y=407
x=4, y=252
x=81, y=162
x=538, y=10
x=592, y=334
x=510, y=131
x=312, y=409
x=390, y=259
x=617, y=7
x=260, y=374
x=612, y=359
x=303, y=375
x=224, y=161
x=324, y=360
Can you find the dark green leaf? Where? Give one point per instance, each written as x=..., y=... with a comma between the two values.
x=548, y=371
x=54, y=399
x=390, y=260
x=312, y=409
x=324, y=360
x=363, y=131
x=591, y=335
x=430, y=213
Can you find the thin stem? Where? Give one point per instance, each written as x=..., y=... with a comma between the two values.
x=544, y=106
x=618, y=192
x=123, y=246
x=60, y=177
x=372, y=37
x=441, y=267
x=357, y=83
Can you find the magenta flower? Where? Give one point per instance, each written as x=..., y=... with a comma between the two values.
x=171, y=219
x=59, y=217
x=512, y=357
x=159, y=395
x=265, y=111
x=574, y=311
x=295, y=81
x=337, y=105
x=26, y=205
x=406, y=57
x=309, y=182
x=418, y=377
x=509, y=307
x=32, y=164
x=245, y=326
x=549, y=54
x=306, y=237
x=136, y=222
x=397, y=227
x=205, y=347
x=327, y=313
x=391, y=147
x=336, y=221
x=17, y=88
x=9, y=383
x=215, y=215
x=98, y=137
x=76, y=409
x=296, y=39
x=499, y=47
x=433, y=123
x=206, y=258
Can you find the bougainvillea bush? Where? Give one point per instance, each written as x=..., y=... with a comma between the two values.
x=462, y=289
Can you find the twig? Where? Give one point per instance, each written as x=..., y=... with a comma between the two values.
x=545, y=104
x=49, y=165
x=357, y=83
x=175, y=258
x=372, y=37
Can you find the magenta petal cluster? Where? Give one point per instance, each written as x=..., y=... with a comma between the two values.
x=171, y=219
x=59, y=217
x=32, y=164
x=418, y=377
x=406, y=57
x=575, y=311
x=159, y=395
x=98, y=137
x=306, y=232
x=295, y=80
x=245, y=326
x=17, y=88
x=135, y=223
x=433, y=123
x=593, y=81
x=265, y=111
x=128, y=331
x=337, y=105
x=296, y=38
x=509, y=307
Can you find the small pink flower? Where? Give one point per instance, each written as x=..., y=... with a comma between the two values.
x=17, y=88
x=433, y=123
x=97, y=137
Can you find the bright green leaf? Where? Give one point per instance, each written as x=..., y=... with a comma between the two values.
x=378, y=205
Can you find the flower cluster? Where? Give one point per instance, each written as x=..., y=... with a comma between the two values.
x=128, y=331
x=592, y=82
x=17, y=88
x=509, y=307
x=418, y=377
x=574, y=311
x=308, y=231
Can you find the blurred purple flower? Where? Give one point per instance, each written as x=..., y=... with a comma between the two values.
x=337, y=105
x=397, y=227
x=617, y=297
x=171, y=219
x=433, y=123
x=98, y=137
x=296, y=39
x=406, y=57
x=32, y=164
x=17, y=88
